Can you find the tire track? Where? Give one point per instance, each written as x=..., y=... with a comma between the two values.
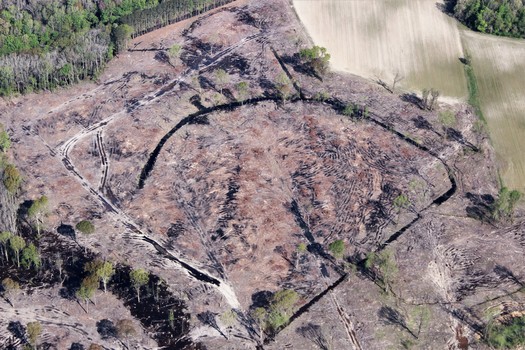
x=347, y=322
x=104, y=162
x=62, y=154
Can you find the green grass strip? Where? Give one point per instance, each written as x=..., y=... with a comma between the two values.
x=473, y=92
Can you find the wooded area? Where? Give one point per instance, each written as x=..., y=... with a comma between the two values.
x=499, y=17
x=45, y=45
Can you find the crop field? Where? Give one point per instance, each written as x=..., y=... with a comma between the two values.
x=500, y=71
x=377, y=39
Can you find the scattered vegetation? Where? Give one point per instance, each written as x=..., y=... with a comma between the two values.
x=337, y=248
x=174, y=51
x=402, y=201
x=356, y=111
x=447, y=118
x=505, y=204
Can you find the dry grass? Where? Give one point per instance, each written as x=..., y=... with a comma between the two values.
x=500, y=72
x=376, y=39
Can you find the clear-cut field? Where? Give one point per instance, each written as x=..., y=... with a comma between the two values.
x=500, y=71
x=377, y=39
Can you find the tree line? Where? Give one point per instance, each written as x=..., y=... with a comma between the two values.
x=499, y=17
x=44, y=45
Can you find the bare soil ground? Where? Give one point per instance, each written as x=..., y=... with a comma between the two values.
x=212, y=189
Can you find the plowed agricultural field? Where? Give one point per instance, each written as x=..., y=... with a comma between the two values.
x=378, y=38
x=499, y=64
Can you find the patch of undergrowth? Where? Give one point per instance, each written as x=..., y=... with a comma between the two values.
x=508, y=335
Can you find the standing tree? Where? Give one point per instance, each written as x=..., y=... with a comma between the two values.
x=397, y=78
x=87, y=291
x=260, y=315
x=283, y=85
x=222, y=78
x=139, y=278
x=37, y=213
x=383, y=266
x=17, y=243
x=126, y=330
x=94, y=346
x=434, y=94
x=228, y=320
x=121, y=36
x=424, y=99
x=105, y=272
x=242, y=90
x=11, y=178
x=281, y=308
x=34, y=329
x=300, y=250
x=11, y=289
x=174, y=52
x=4, y=239
x=317, y=59
x=31, y=257
x=86, y=227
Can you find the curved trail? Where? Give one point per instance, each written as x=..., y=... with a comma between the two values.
x=338, y=106
x=62, y=153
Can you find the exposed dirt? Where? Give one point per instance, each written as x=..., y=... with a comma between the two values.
x=212, y=188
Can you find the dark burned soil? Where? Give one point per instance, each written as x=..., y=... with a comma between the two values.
x=212, y=187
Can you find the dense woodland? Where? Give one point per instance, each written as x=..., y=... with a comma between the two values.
x=45, y=44
x=499, y=17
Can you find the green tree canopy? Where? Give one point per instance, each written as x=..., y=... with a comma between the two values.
x=34, y=329
x=17, y=243
x=105, y=272
x=38, y=212
x=139, y=278
x=4, y=240
x=86, y=227
x=31, y=257
x=11, y=178
x=317, y=58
